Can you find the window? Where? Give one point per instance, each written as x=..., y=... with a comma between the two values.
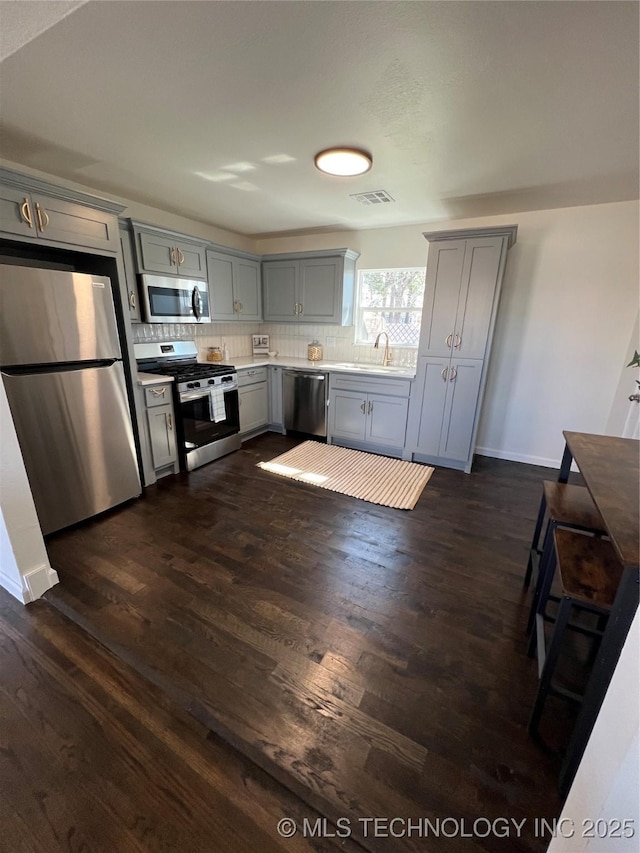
x=389, y=301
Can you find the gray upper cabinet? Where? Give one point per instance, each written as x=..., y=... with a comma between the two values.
x=460, y=287
x=31, y=209
x=165, y=253
x=128, y=260
x=463, y=283
x=315, y=287
x=234, y=287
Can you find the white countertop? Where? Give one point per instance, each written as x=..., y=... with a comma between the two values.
x=152, y=379
x=364, y=369
x=329, y=366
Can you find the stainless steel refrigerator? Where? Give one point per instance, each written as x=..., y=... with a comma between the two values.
x=61, y=367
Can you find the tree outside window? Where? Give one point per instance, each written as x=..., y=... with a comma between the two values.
x=390, y=301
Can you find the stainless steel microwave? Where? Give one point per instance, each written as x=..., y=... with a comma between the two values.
x=174, y=300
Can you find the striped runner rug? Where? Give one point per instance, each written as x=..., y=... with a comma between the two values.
x=377, y=479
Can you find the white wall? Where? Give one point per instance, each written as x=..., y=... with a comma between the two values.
x=608, y=780
x=569, y=302
x=24, y=564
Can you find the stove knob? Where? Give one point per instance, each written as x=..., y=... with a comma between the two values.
x=196, y=384
x=212, y=382
x=189, y=384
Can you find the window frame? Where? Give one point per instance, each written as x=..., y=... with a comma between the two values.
x=358, y=309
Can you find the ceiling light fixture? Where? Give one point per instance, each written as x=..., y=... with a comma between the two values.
x=343, y=162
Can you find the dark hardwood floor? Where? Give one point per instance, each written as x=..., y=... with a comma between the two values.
x=94, y=757
x=372, y=661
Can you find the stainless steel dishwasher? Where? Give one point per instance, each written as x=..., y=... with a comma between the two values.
x=304, y=397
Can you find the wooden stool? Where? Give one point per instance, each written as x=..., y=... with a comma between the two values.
x=566, y=506
x=590, y=573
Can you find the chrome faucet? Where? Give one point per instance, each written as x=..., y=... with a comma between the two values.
x=386, y=358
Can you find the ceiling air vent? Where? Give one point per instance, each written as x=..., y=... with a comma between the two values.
x=375, y=197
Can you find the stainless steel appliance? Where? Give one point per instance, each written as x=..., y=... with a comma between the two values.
x=205, y=400
x=61, y=367
x=304, y=396
x=174, y=300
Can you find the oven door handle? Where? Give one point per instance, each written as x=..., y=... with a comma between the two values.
x=188, y=397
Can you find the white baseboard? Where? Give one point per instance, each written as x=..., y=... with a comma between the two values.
x=39, y=580
x=16, y=590
x=518, y=457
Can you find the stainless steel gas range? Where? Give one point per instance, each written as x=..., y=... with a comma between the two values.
x=205, y=400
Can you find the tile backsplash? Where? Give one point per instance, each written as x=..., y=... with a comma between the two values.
x=287, y=339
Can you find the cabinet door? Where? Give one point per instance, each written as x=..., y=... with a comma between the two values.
x=192, y=260
x=246, y=274
x=254, y=406
x=480, y=276
x=162, y=435
x=66, y=222
x=442, y=288
x=13, y=204
x=347, y=415
x=320, y=290
x=280, y=290
x=463, y=385
x=220, y=269
x=156, y=253
x=126, y=247
x=434, y=375
x=386, y=420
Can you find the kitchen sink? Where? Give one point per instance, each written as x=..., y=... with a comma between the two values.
x=374, y=368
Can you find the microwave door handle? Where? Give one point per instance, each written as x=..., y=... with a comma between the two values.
x=196, y=303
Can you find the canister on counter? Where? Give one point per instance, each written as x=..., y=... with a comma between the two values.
x=314, y=351
x=214, y=354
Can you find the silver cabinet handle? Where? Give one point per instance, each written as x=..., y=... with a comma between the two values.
x=240, y=307
x=443, y=373
x=295, y=308
x=132, y=300
x=634, y=398
x=457, y=341
x=159, y=392
x=370, y=407
x=454, y=374
x=251, y=372
x=172, y=255
x=170, y=420
x=25, y=212
x=363, y=407
x=448, y=340
x=300, y=307
x=180, y=257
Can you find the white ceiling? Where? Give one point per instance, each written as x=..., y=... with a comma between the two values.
x=214, y=110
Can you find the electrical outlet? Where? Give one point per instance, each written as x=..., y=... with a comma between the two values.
x=331, y=341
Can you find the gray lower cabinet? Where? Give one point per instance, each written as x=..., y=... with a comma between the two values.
x=449, y=391
x=165, y=253
x=64, y=218
x=253, y=392
x=161, y=427
x=463, y=283
x=370, y=414
x=276, y=408
x=128, y=260
x=235, y=291
x=309, y=288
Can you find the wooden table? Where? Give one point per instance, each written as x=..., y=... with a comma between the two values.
x=610, y=468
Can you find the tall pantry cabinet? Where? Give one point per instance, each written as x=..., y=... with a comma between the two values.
x=464, y=277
